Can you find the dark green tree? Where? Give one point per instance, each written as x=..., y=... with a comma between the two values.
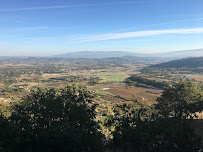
x=136, y=132
x=166, y=130
x=7, y=140
x=50, y=121
x=182, y=100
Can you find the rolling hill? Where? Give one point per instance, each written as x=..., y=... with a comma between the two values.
x=109, y=54
x=95, y=54
x=181, y=54
x=181, y=63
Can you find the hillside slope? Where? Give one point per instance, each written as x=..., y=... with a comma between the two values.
x=109, y=54
x=180, y=54
x=181, y=63
x=95, y=54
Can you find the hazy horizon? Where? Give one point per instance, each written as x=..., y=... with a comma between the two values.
x=48, y=55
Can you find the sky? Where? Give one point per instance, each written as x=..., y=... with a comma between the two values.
x=51, y=27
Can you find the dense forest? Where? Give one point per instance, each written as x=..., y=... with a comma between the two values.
x=145, y=82
x=64, y=120
x=181, y=66
x=181, y=63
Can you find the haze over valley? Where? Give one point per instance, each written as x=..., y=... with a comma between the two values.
x=101, y=76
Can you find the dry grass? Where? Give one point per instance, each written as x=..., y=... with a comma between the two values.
x=27, y=83
x=57, y=84
x=47, y=76
x=198, y=78
x=3, y=100
x=29, y=77
x=144, y=96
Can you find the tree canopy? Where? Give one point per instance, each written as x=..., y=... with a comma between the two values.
x=182, y=100
x=50, y=121
x=65, y=121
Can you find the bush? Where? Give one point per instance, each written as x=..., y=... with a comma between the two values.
x=50, y=121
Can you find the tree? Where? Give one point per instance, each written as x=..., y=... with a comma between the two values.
x=63, y=121
x=182, y=100
x=136, y=132
x=7, y=141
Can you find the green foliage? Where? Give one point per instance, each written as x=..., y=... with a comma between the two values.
x=47, y=120
x=94, y=80
x=137, y=130
x=7, y=141
x=6, y=109
x=182, y=100
x=182, y=63
x=163, y=135
x=143, y=82
x=107, y=124
x=50, y=121
x=181, y=66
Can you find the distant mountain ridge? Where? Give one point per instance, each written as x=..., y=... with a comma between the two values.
x=109, y=54
x=96, y=54
x=181, y=54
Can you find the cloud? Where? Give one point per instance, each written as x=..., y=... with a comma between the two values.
x=70, y=6
x=111, y=36
x=164, y=23
x=11, y=31
x=10, y=20
x=31, y=28
x=41, y=8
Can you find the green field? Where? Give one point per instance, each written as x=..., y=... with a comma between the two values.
x=112, y=76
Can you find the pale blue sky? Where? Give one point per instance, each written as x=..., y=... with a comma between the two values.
x=49, y=27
